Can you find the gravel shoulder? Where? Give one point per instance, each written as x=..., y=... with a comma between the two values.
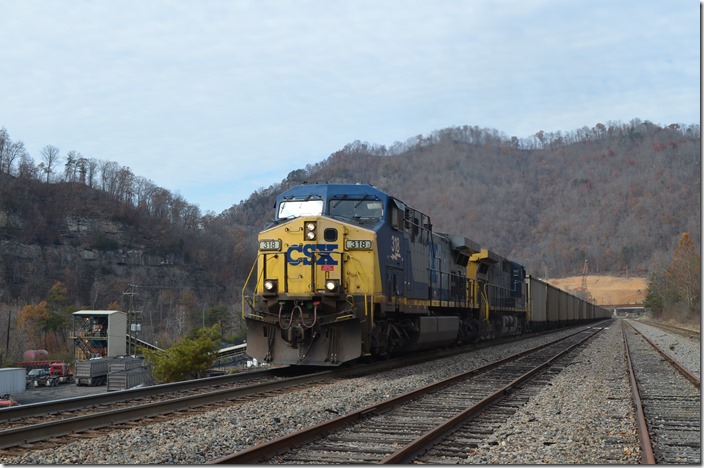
x=584, y=417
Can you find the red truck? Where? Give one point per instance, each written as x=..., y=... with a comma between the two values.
x=62, y=371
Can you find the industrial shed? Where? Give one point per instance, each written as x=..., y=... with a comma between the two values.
x=99, y=333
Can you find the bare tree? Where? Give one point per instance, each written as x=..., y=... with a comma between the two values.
x=124, y=190
x=26, y=168
x=50, y=158
x=91, y=171
x=142, y=189
x=9, y=151
x=13, y=151
x=108, y=176
x=4, y=143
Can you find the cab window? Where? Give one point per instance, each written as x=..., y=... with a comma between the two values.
x=357, y=209
x=296, y=208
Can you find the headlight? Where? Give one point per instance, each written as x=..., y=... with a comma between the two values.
x=310, y=228
x=332, y=286
x=271, y=286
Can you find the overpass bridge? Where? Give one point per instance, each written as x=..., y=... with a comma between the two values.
x=625, y=310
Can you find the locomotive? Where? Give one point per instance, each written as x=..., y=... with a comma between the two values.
x=346, y=271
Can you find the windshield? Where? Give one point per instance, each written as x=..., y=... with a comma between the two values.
x=296, y=208
x=357, y=208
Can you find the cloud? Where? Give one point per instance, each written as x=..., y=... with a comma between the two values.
x=211, y=93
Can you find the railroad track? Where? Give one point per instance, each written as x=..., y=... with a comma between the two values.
x=668, y=403
x=27, y=427
x=419, y=426
x=686, y=332
x=69, y=407
x=27, y=433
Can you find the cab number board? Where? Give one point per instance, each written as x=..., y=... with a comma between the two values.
x=270, y=244
x=358, y=244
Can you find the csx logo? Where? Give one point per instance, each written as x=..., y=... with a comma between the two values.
x=303, y=254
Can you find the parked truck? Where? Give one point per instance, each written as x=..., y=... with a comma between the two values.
x=58, y=370
x=61, y=371
x=12, y=381
x=93, y=372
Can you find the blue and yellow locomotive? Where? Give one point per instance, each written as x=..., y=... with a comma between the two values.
x=347, y=271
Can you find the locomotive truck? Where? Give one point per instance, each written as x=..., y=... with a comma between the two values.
x=347, y=271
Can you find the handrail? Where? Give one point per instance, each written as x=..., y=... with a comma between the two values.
x=246, y=282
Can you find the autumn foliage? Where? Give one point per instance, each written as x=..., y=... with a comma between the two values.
x=676, y=292
x=47, y=323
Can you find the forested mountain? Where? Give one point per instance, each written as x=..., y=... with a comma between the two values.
x=618, y=195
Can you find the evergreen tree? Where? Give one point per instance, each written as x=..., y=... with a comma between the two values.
x=190, y=358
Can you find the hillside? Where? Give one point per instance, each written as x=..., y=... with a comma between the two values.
x=618, y=195
x=607, y=289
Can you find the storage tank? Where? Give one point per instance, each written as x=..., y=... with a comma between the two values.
x=35, y=355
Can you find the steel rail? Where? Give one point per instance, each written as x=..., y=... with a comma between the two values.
x=686, y=332
x=38, y=432
x=432, y=437
x=37, y=410
x=676, y=364
x=646, y=447
x=31, y=410
x=266, y=450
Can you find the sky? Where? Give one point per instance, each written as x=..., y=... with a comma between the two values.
x=215, y=99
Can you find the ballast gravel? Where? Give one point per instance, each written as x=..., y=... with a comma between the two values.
x=584, y=416
x=686, y=351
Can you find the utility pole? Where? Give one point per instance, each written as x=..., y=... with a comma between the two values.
x=585, y=292
x=7, y=341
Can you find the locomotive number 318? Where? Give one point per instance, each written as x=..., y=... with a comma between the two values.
x=351, y=244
